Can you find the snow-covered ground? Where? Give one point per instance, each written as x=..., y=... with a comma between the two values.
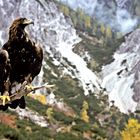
x=117, y=82
x=121, y=78
x=88, y=79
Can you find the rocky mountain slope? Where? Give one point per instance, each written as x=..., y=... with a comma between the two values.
x=118, y=88
x=56, y=35
x=78, y=106
x=121, y=77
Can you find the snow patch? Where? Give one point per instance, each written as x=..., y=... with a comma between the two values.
x=88, y=79
x=1, y=40
x=118, y=79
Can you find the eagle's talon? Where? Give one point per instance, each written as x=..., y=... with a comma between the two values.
x=4, y=98
x=29, y=87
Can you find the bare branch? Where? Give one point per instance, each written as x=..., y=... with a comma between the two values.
x=23, y=91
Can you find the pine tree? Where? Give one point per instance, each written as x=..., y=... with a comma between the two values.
x=74, y=19
x=80, y=13
x=102, y=29
x=65, y=10
x=108, y=32
x=49, y=113
x=87, y=21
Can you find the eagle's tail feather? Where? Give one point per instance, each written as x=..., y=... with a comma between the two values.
x=22, y=103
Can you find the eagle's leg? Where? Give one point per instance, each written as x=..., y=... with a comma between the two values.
x=28, y=86
x=5, y=97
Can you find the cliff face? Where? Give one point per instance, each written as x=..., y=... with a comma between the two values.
x=122, y=77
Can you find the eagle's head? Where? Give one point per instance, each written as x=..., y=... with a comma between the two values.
x=22, y=22
x=18, y=26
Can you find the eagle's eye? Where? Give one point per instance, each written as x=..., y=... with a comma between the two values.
x=26, y=21
x=23, y=19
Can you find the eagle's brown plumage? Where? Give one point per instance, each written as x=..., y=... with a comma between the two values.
x=25, y=57
x=4, y=74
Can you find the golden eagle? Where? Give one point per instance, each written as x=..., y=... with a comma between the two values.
x=24, y=56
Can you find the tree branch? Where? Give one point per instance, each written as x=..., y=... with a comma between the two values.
x=23, y=91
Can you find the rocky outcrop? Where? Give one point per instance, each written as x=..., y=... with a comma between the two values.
x=32, y=116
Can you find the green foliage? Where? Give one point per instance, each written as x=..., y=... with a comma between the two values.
x=98, y=48
x=68, y=136
x=108, y=32
x=35, y=130
x=102, y=28
x=61, y=117
x=21, y=133
x=65, y=9
x=82, y=127
x=9, y=133
x=36, y=106
x=68, y=89
x=87, y=21
x=49, y=113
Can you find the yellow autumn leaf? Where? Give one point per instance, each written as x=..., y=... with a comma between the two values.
x=131, y=131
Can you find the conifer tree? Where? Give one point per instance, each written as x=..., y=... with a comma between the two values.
x=108, y=32
x=84, y=114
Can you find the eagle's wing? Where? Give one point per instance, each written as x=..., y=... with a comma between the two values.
x=38, y=60
x=38, y=57
x=4, y=75
x=6, y=46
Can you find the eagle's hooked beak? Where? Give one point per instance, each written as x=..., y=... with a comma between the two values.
x=28, y=21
